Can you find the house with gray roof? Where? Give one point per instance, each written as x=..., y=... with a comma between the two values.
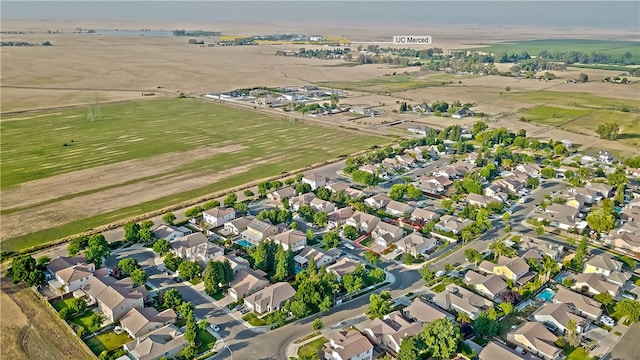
x=218, y=216
x=348, y=344
x=460, y=299
x=237, y=226
x=247, y=282
x=385, y=234
x=579, y=303
x=602, y=264
x=557, y=316
x=115, y=297
x=141, y=321
x=166, y=341
x=258, y=230
x=535, y=338
x=494, y=351
x=452, y=224
x=423, y=312
x=320, y=256
x=490, y=286
x=416, y=244
x=291, y=239
x=397, y=208
x=342, y=267
x=389, y=331
x=362, y=221
x=71, y=278
x=594, y=284
x=378, y=201
x=286, y=192
x=270, y=298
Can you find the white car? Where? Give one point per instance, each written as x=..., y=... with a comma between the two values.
x=349, y=246
x=440, y=273
x=215, y=327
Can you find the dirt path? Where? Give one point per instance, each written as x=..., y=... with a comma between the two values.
x=31, y=331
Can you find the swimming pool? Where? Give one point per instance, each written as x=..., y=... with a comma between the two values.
x=563, y=275
x=546, y=295
x=244, y=243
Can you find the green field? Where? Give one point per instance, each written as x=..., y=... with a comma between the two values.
x=616, y=49
x=554, y=116
x=395, y=83
x=33, y=149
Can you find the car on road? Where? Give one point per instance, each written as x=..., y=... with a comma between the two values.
x=349, y=246
x=440, y=273
x=177, y=279
x=215, y=327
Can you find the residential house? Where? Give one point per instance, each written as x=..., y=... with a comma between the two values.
x=495, y=350
x=423, y=312
x=140, y=322
x=594, y=284
x=452, y=224
x=237, y=262
x=371, y=169
x=64, y=262
x=338, y=217
x=420, y=129
x=270, y=298
x=258, y=230
x=588, y=195
x=606, y=157
x=399, y=209
x=165, y=342
x=385, y=234
x=378, y=201
x=406, y=160
x=237, y=226
x=247, y=282
x=460, y=299
x=625, y=240
x=532, y=170
x=509, y=268
x=286, y=192
x=169, y=232
x=433, y=185
x=72, y=278
x=389, y=331
x=320, y=257
x=115, y=297
x=348, y=345
x=390, y=164
x=362, y=221
x=602, y=264
x=535, y=338
x=319, y=205
x=479, y=200
x=510, y=185
x=558, y=315
x=293, y=240
x=297, y=202
x=218, y=216
x=415, y=244
x=580, y=304
x=540, y=247
x=459, y=114
x=342, y=267
x=195, y=247
x=315, y=181
x=496, y=192
x=423, y=216
x=490, y=286
x=341, y=187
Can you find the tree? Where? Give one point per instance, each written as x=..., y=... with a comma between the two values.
x=372, y=258
x=548, y=172
x=162, y=246
x=97, y=250
x=193, y=212
x=132, y=232
x=533, y=183
x=427, y=274
x=189, y=270
x=191, y=331
x=331, y=239
x=64, y=313
x=572, y=337
x=211, y=204
x=317, y=324
x=172, y=261
x=78, y=305
x=379, y=305
x=285, y=266
x=604, y=298
x=184, y=309
x=311, y=236
x=350, y=232
x=320, y=218
x=510, y=296
x=25, y=269
x=608, y=131
x=146, y=236
x=248, y=193
x=77, y=244
x=628, y=261
x=484, y=326
x=441, y=338
x=550, y=266
x=127, y=265
x=276, y=319
x=230, y=200
x=409, y=259
x=294, y=225
x=508, y=308
x=408, y=349
x=559, y=149
x=397, y=191
x=472, y=255
x=479, y=126
x=583, y=78
x=138, y=276
x=169, y=218
x=600, y=221
x=171, y=299
x=628, y=308
x=241, y=207
x=188, y=352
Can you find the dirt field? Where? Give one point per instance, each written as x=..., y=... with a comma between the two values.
x=31, y=331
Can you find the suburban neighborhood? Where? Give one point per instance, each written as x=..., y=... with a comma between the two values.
x=464, y=242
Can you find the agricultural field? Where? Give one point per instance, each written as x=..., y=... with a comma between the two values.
x=396, y=83
x=554, y=116
x=164, y=151
x=616, y=49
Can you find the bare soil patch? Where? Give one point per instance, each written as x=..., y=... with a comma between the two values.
x=31, y=331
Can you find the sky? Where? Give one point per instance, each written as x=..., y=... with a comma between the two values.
x=601, y=14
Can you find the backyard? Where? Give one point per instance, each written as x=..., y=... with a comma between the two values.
x=312, y=348
x=108, y=341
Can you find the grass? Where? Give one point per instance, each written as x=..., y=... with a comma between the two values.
x=218, y=296
x=107, y=341
x=62, y=304
x=312, y=335
x=552, y=115
x=506, y=324
x=83, y=320
x=616, y=49
x=579, y=354
x=480, y=341
x=366, y=242
x=252, y=319
x=439, y=288
x=311, y=349
x=206, y=341
x=573, y=99
x=138, y=130
x=395, y=83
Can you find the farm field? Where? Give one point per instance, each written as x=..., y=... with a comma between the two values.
x=616, y=49
x=164, y=151
x=32, y=331
x=395, y=83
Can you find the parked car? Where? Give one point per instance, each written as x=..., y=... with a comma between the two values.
x=440, y=273
x=349, y=246
x=215, y=327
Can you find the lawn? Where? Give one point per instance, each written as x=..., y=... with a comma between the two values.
x=579, y=354
x=263, y=146
x=252, y=319
x=206, y=341
x=310, y=349
x=439, y=288
x=107, y=341
x=506, y=324
x=84, y=320
x=366, y=242
x=616, y=49
x=62, y=304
